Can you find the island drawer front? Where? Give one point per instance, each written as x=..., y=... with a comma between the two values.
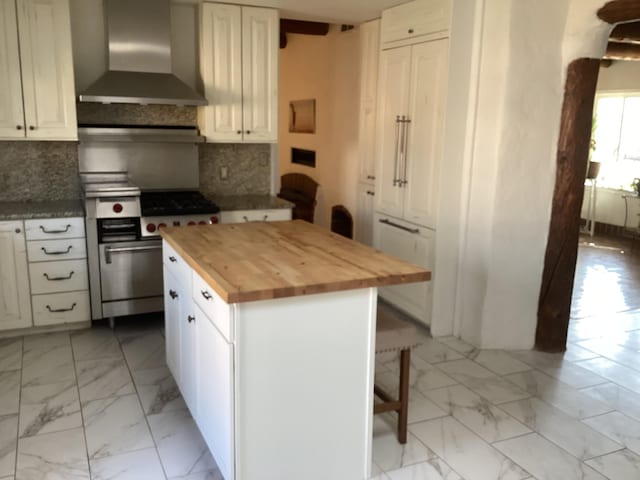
x=54, y=228
x=63, y=276
x=270, y=215
x=216, y=309
x=49, y=250
x=173, y=262
x=57, y=308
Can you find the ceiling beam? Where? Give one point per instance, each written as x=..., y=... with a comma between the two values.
x=622, y=51
x=301, y=27
x=626, y=32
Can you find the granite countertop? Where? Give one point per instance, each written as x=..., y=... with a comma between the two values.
x=51, y=209
x=249, y=202
x=265, y=260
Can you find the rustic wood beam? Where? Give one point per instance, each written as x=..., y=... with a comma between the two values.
x=554, y=305
x=626, y=32
x=622, y=51
x=620, y=11
x=301, y=27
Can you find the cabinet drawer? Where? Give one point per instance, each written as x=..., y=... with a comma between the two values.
x=216, y=309
x=54, y=228
x=175, y=264
x=48, y=250
x=57, y=308
x=64, y=276
x=415, y=19
x=270, y=215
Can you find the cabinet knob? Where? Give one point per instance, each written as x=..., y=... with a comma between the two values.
x=18, y=230
x=369, y=192
x=18, y=127
x=239, y=132
x=371, y=177
x=191, y=318
x=31, y=127
x=248, y=132
x=410, y=30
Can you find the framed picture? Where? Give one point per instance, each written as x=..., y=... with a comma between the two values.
x=302, y=116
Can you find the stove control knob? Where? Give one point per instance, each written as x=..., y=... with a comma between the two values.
x=176, y=223
x=161, y=225
x=214, y=220
x=191, y=223
x=151, y=228
x=117, y=207
x=202, y=222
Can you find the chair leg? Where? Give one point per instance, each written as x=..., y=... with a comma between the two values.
x=403, y=413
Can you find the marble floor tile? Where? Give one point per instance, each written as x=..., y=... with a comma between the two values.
x=216, y=475
x=103, y=378
x=617, y=398
x=482, y=381
x=477, y=414
x=571, y=401
x=181, y=447
x=9, y=392
x=574, y=353
x=544, y=460
x=434, y=469
x=574, y=375
x=49, y=408
x=158, y=390
x=458, y=345
x=46, y=341
x=53, y=456
x=498, y=361
x=464, y=451
x=95, y=343
x=567, y=432
x=622, y=465
x=615, y=352
x=432, y=351
x=115, y=425
x=44, y=364
x=539, y=360
x=8, y=443
x=422, y=377
x=618, y=427
x=388, y=454
x=144, y=352
x=624, y=376
x=10, y=354
x=138, y=465
x=421, y=408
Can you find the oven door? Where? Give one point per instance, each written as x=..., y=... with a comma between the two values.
x=130, y=270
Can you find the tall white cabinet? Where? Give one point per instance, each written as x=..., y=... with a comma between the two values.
x=15, y=299
x=37, y=94
x=412, y=85
x=239, y=62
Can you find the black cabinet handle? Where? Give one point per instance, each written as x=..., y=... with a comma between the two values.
x=61, y=252
x=191, y=318
x=206, y=294
x=18, y=127
x=173, y=294
x=58, y=310
x=386, y=221
x=56, y=279
x=172, y=259
x=239, y=132
x=31, y=127
x=248, y=132
x=64, y=230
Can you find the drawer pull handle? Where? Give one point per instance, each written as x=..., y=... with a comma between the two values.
x=58, y=310
x=244, y=217
x=206, y=294
x=61, y=252
x=265, y=218
x=173, y=294
x=56, y=279
x=172, y=259
x=65, y=230
x=191, y=318
x=401, y=227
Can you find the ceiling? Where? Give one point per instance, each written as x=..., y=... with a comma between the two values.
x=332, y=11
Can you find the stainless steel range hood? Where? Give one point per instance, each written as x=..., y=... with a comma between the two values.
x=139, y=37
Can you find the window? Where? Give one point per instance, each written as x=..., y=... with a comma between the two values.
x=617, y=139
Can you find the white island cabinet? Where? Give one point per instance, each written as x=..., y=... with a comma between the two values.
x=275, y=322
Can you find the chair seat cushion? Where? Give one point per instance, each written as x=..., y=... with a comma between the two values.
x=392, y=333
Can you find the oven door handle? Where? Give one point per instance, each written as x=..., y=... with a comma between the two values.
x=109, y=250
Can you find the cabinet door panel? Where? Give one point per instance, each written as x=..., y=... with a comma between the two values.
x=15, y=306
x=393, y=102
x=260, y=74
x=11, y=113
x=222, y=71
x=369, y=38
x=47, y=68
x=172, y=296
x=425, y=132
x=364, y=225
x=215, y=393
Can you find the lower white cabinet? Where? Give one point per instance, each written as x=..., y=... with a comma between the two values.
x=15, y=307
x=414, y=244
x=268, y=215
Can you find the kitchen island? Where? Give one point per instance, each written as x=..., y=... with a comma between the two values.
x=270, y=331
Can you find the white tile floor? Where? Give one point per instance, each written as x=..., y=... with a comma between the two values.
x=102, y=405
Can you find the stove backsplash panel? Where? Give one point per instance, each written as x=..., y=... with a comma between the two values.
x=130, y=114
x=248, y=168
x=38, y=171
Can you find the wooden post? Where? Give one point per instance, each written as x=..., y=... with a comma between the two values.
x=554, y=306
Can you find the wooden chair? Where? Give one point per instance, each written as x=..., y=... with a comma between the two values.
x=301, y=190
x=341, y=221
x=392, y=335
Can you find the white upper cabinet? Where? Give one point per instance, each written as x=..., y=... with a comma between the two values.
x=415, y=21
x=370, y=53
x=38, y=96
x=15, y=306
x=239, y=64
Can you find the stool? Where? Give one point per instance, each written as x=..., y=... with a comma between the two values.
x=392, y=335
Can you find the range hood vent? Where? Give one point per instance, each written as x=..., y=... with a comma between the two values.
x=139, y=38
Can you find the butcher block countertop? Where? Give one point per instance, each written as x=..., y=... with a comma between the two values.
x=244, y=262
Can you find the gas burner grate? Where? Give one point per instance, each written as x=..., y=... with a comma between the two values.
x=176, y=203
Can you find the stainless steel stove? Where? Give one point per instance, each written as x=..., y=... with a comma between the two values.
x=135, y=182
